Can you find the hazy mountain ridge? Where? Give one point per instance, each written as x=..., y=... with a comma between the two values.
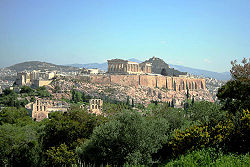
x=205, y=73
x=38, y=65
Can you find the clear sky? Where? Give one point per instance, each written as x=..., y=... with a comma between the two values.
x=205, y=34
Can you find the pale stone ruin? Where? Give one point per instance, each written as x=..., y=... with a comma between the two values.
x=95, y=106
x=41, y=108
x=120, y=66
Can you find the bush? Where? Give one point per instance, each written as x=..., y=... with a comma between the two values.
x=239, y=138
x=210, y=157
x=230, y=135
x=128, y=138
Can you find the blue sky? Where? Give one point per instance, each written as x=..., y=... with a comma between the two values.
x=205, y=34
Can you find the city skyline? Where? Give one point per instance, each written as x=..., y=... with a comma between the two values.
x=205, y=35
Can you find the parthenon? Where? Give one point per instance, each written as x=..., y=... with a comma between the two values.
x=128, y=67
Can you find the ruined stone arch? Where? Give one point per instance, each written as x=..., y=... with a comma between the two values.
x=195, y=85
x=192, y=85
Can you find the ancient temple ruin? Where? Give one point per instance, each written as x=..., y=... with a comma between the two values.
x=119, y=66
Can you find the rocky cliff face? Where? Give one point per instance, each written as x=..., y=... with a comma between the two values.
x=119, y=89
x=158, y=64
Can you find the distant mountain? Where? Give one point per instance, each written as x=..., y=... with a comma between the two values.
x=205, y=73
x=158, y=65
x=37, y=65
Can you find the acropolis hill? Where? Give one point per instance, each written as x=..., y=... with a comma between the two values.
x=120, y=73
x=136, y=81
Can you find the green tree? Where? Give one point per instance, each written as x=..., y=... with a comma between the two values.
x=26, y=89
x=172, y=103
x=176, y=117
x=42, y=92
x=76, y=96
x=19, y=145
x=12, y=115
x=192, y=101
x=187, y=95
x=83, y=97
x=234, y=95
x=9, y=99
x=206, y=112
x=127, y=102
x=69, y=128
x=128, y=138
x=133, y=104
x=60, y=156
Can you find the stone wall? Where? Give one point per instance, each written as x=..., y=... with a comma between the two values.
x=170, y=83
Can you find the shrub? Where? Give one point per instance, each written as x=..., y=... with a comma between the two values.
x=210, y=157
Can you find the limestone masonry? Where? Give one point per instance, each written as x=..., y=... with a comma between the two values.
x=152, y=81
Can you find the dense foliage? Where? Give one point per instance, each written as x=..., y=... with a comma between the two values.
x=128, y=138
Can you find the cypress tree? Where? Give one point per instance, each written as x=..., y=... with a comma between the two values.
x=172, y=103
x=192, y=101
x=128, y=101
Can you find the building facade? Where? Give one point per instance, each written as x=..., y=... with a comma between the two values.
x=41, y=108
x=119, y=66
x=35, y=78
x=95, y=106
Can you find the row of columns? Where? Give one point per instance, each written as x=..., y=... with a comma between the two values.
x=120, y=67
